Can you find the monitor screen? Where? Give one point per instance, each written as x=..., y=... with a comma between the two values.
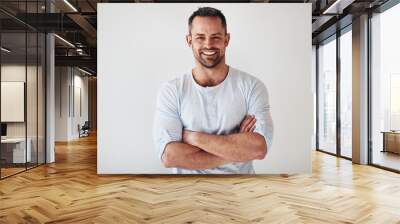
x=3, y=129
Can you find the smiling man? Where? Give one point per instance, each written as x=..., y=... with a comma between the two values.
x=215, y=119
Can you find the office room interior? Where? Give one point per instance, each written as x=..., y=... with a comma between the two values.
x=81, y=83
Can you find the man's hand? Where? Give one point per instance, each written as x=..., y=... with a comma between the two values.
x=237, y=147
x=189, y=137
x=248, y=124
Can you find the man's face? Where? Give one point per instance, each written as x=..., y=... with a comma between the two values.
x=208, y=40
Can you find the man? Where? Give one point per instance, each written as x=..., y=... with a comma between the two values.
x=215, y=119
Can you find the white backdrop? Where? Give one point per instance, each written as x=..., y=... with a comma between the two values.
x=140, y=46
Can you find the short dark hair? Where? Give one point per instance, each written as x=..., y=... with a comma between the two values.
x=208, y=11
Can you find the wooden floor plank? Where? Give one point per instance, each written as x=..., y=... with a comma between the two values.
x=70, y=191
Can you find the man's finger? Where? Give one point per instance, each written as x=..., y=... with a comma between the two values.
x=245, y=122
x=253, y=128
x=250, y=125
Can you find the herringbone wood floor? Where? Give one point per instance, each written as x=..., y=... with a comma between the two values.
x=70, y=191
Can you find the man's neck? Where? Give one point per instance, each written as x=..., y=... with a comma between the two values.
x=210, y=76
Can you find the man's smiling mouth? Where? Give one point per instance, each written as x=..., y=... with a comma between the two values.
x=209, y=53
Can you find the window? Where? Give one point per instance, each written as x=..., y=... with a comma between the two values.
x=385, y=89
x=327, y=96
x=346, y=93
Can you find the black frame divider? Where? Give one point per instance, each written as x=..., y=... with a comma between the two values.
x=338, y=82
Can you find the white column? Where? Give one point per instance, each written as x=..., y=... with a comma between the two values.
x=50, y=92
x=360, y=90
x=50, y=100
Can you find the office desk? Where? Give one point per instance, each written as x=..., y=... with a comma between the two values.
x=391, y=141
x=13, y=150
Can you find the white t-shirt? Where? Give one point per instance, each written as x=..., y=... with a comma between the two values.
x=183, y=104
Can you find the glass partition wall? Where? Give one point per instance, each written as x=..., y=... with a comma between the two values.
x=13, y=89
x=22, y=77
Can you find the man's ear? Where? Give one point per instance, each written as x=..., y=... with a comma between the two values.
x=227, y=39
x=189, y=40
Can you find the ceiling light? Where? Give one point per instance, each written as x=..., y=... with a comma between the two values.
x=64, y=40
x=70, y=5
x=338, y=6
x=84, y=71
x=5, y=50
x=328, y=10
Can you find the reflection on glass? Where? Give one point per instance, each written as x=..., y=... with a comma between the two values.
x=346, y=94
x=395, y=101
x=327, y=96
x=386, y=89
x=31, y=101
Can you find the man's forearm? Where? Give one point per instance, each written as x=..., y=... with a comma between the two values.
x=237, y=147
x=182, y=155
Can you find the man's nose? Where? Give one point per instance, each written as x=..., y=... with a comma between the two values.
x=208, y=43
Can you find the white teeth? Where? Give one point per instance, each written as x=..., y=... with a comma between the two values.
x=209, y=52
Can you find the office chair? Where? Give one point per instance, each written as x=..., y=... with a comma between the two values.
x=84, y=130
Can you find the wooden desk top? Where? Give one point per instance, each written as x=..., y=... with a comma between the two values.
x=390, y=132
x=13, y=140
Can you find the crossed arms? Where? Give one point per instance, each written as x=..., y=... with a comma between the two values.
x=203, y=151
x=196, y=150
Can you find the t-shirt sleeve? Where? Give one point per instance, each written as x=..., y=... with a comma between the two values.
x=260, y=107
x=167, y=123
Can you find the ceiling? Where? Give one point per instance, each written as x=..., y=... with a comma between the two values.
x=76, y=22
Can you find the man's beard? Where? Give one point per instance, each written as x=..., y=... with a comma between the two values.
x=209, y=63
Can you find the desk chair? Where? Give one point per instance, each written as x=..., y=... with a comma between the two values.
x=84, y=130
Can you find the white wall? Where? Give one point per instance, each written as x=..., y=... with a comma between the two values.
x=61, y=103
x=18, y=73
x=144, y=46
x=33, y=127
x=68, y=81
